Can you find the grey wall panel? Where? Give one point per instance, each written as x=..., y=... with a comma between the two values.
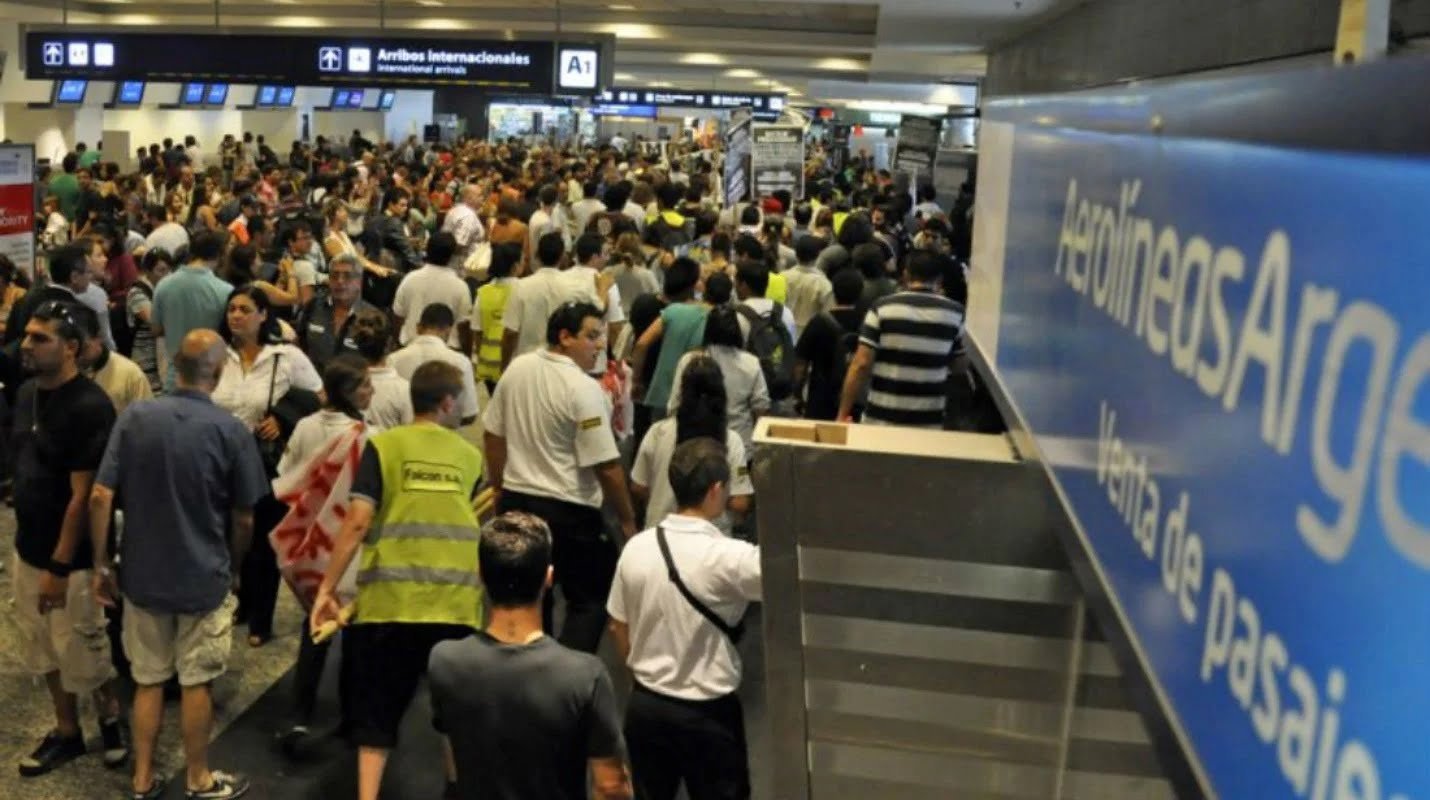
x=910, y=574
x=943, y=775
x=923, y=674
x=1028, y=619
x=985, y=744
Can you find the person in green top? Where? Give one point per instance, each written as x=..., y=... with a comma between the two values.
x=680, y=329
x=87, y=157
x=65, y=186
x=410, y=512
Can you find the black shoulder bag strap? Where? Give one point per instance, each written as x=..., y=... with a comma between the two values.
x=734, y=632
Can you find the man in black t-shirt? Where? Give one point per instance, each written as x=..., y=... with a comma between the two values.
x=526, y=717
x=825, y=347
x=62, y=423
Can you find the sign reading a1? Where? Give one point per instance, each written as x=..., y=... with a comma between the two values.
x=576, y=68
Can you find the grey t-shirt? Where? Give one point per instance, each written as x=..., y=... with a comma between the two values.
x=179, y=466
x=523, y=719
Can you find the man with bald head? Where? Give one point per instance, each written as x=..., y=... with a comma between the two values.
x=464, y=224
x=187, y=474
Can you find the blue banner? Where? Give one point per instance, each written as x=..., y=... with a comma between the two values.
x=1222, y=351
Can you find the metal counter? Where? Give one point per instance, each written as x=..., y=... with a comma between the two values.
x=923, y=634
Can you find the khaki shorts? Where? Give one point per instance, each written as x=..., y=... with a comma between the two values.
x=71, y=640
x=196, y=646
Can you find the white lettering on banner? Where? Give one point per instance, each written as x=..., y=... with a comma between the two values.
x=1284, y=705
x=1177, y=286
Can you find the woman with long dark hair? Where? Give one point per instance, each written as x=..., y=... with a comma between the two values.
x=699, y=412
x=260, y=375
x=747, y=396
x=348, y=392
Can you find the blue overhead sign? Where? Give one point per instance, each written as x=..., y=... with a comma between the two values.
x=1222, y=351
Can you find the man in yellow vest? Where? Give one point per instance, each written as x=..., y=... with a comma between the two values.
x=411, y=512
x=488, y=312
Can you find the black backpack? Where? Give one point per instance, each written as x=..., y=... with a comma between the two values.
x=770, y=342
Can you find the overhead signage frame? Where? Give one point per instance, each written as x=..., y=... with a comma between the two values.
x=777, y=159
x=523, y=66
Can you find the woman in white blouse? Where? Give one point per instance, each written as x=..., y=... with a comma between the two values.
x=349, y=393
x=747, y=394
x=339, y=242
x=259, y=373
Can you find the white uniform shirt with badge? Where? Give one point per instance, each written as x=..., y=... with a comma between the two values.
x=556, y=421
x=246, y=394
x=431, y=348
x=652, y=470
x=674, y=650
x=391, y=404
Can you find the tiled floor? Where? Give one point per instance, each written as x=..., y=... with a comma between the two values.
x=28, y=715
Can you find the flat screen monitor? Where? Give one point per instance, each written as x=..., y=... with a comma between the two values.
x=217, y=94
x=355, y=99
x=389, y=96
x=70, y=92
x=129, y=93
x=192, y=94
x=266, y=96
x=340, y=98
x=285, y=96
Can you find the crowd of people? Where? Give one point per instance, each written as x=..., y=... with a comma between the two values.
x=233, y=372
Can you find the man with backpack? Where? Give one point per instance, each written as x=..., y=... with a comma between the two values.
x=825, y=349
x=768, y=331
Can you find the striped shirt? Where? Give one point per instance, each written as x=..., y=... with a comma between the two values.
x=915, y=336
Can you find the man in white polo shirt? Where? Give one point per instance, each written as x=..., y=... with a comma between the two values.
x=434, y=282
x=550, y=452
x=676, y=605
x=537, y=295
x=433, y=329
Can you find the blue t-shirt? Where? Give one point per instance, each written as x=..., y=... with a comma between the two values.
x=179, y=466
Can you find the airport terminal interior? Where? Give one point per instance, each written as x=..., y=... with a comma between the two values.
x=787, y=400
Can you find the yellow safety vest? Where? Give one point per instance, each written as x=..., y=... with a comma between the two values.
x=491, y=304
x=419, y=561
x=777, y=289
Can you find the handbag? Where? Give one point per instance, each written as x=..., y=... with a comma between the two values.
x=271, y=450
x=734, y=632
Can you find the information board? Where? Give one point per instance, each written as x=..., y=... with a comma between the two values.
x=917, y=150
x=17, y=205
x=777, y=159
x=737, y=157
x=1222, y=352
x=509, y=66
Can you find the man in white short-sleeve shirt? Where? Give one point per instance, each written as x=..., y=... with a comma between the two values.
x=433, y=328
x=537, y=295
x=585, y=279
x=680, y=646
x=550, y=452
x=434, y=282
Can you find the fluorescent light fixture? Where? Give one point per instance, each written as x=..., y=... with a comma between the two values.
x=429, y=3
x=703, y=59
x=742, y=73
x=847, y=64
x=621, y=7
x=632, y=30
x=898, y=107
x=624, y=76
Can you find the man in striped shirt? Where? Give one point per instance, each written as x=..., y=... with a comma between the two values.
x=907, y=343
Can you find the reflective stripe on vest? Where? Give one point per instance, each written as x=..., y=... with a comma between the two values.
x=425, y=530
x=432, y=575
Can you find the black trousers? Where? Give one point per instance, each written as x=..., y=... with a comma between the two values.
x=259, y=579
x=308, y=674
x=584, y=559
x=699, y=743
